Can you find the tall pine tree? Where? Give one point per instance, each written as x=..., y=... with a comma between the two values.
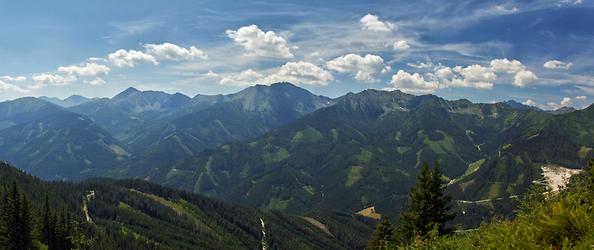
x=47, y=231
x=25, y=237
x=382, y=235
x=3, y=218
x=16, y=214
x=428, y=206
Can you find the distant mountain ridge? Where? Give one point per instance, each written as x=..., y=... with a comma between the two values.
x=366, y=148
x=154, y=127
x=219, y=119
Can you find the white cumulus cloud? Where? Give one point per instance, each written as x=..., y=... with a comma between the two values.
x=414, y=83
x=246, y=77
x=96, y=82
x=10, y=86
x=521, y=75
x=372, y=22
x=86, y=69
x=259, y=43
x=169, y=51
x=42, y=80
x=566, y=102
x=581, y=97
x=530, y=102
x=524, y=77
x=130, y=58
x=401, y=45
x=555, y=64
x=13, y=78
x=363, y=68
x=474, y=76
x=300, y=73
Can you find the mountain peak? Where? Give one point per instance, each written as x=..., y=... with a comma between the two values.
x=284, y=84
x=127, y=93
x=75, y=97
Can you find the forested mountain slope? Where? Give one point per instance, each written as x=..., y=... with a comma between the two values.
x=366, y=149
x=108, y=214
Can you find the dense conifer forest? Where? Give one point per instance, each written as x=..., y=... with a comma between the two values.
x=132, y=214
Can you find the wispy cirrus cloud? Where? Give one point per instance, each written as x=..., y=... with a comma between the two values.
x=556, y=64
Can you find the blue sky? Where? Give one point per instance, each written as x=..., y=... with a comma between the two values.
x=537, y=52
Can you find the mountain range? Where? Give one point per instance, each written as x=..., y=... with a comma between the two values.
x=281, y=147
x=366, y=149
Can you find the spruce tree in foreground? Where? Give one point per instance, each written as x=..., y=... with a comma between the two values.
x=428, y=206
x=382, y=235
x=16, y=220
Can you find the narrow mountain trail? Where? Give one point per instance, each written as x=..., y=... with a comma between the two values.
x=264, y=244
x=485, y=200
x=85, y=208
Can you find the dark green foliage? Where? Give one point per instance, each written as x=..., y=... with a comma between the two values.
x=382, y=236
x=132, y=214
x=48, y=223
x=58, y=229
x=16, y=216
x=428, y=206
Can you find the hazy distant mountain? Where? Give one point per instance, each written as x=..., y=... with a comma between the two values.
x=24, y=109
x=131, y=110
x=53, y=143
x=219, y=119
x=562, y=110
x=68, y=102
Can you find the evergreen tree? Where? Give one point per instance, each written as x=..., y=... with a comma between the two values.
x=428, y=207
x=47, y=227
x=382, y=235
x=25, y=223
x=3, y=216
